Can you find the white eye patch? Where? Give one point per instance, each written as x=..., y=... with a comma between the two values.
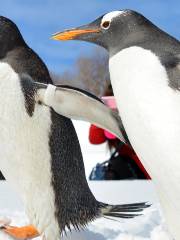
x=109, y=16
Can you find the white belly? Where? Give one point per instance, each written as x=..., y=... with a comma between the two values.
x=24, y=153
x=150, y=112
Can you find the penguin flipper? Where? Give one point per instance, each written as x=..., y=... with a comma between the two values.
x=78, y=104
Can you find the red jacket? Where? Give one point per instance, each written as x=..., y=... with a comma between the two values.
x=97, y=136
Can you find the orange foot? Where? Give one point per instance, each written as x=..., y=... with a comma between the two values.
x=21, y=233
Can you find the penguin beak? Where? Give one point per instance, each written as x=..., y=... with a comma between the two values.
x=91, y=32
x=79, y=33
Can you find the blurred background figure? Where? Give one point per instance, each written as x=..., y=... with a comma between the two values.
x=123, y=162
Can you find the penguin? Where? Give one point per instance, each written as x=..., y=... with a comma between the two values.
x=40, y=155
x=144, y=65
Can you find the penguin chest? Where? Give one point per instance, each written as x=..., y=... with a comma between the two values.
x=24, y=153
x=150, y=112
x=149, y=108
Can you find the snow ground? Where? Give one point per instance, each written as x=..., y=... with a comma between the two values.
x=150, y=226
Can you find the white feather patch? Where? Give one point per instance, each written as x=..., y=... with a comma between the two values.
x=25, y=158
x=109, y=16
x=150, y=111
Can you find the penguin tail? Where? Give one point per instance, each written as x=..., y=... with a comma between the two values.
x=124, y=210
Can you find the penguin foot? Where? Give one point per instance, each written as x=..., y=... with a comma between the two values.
x=21, y=233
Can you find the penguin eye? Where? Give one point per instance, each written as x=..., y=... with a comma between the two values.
x=105, y=25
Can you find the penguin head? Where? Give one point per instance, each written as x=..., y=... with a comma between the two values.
x=10, y=36
x=113, y=31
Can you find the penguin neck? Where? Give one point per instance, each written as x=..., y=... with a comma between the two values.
x=148, y=37
x=24, y=60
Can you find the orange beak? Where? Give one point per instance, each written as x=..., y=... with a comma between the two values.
x=72, y=34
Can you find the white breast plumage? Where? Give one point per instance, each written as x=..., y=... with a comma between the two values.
x=24, y=152
x=150, y=111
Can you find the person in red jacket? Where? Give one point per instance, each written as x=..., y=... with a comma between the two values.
x=125, y=164
x=98, y=136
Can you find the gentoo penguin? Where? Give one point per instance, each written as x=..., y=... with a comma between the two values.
x=40, y=154
x=144, y=64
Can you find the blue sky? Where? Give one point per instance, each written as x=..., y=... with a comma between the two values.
x=38, y=19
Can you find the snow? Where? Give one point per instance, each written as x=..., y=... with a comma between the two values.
x=150, y=226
